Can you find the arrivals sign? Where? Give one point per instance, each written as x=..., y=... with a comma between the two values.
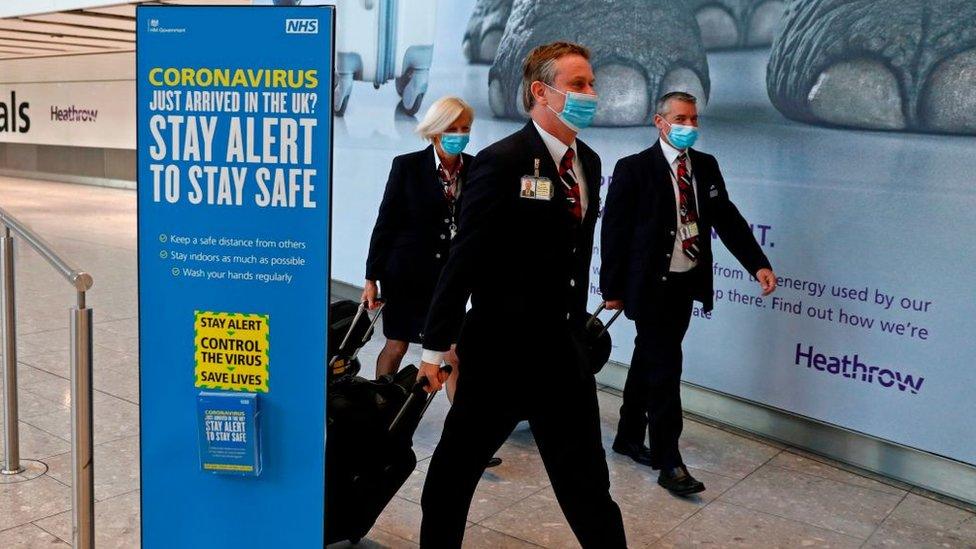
x=75, y=114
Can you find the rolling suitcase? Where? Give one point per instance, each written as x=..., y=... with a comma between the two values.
x=382, y=40
x=369, y=449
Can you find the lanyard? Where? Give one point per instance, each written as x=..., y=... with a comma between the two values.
x=451, y=198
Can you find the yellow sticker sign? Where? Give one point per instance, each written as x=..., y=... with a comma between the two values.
x=231, y=351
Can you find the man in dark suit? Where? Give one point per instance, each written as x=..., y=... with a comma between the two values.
x=519, y=348
x=656, y=259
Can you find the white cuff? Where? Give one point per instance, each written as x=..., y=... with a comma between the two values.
x=432, y=357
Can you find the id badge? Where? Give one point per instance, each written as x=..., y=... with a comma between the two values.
x=689, y=230
x=536, y=188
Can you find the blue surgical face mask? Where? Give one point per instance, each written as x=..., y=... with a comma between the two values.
x=578, y=110
x=454, y=143
x=682, y=136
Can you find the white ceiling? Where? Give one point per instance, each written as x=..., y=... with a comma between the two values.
x=109, y=28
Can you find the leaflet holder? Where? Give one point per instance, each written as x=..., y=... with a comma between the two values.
x=229, y=433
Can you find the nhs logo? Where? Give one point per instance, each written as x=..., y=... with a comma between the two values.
x=301, y=26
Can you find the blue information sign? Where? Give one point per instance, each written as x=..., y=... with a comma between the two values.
x=234, y=178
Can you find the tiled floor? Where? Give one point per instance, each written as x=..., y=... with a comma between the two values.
x=760, y=494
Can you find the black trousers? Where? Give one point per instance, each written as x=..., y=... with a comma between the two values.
x=555, y=392
x=652, y=393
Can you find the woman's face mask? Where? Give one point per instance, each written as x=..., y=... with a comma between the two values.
x=454, y=143
x=578, y=110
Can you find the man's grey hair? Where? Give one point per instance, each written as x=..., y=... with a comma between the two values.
x=546, y=74
x=664, y=103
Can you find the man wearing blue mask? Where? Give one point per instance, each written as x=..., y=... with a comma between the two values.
x=662, y=205
x=519, y=350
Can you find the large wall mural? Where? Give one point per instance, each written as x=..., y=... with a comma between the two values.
x=878, y=64
x=640, y=50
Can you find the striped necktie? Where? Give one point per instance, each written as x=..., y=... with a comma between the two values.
x=686, y=206
x=572, y=187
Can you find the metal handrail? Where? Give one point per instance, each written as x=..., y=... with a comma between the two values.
x=81, y=280
x=80, y=322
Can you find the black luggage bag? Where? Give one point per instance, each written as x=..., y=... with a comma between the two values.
x=369, y=448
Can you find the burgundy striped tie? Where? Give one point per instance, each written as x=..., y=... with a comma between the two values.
x=689, y=214
x=572, y=187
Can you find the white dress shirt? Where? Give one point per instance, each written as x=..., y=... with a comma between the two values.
x=438, y=163
x=680, y=263
x=437, y=170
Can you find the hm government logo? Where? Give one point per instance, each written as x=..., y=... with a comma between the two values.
x=152, y=25
x=301, y=26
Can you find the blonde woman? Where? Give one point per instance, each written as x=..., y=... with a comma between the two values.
x=414, y=228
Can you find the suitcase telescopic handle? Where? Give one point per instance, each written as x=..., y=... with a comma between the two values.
x=596, y=314
x=372, y=324
x=416, y=393
x=352, y=326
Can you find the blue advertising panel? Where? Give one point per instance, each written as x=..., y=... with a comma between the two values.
x=234, y=182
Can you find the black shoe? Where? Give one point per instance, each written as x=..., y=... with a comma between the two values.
x=637, y=452
x=494, y=462
x=679, y=481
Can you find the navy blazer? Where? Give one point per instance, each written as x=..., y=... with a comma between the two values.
x=524, y=262
x=411, y=237
x=639, y=224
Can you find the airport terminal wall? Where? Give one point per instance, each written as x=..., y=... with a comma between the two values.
x=69, y=118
